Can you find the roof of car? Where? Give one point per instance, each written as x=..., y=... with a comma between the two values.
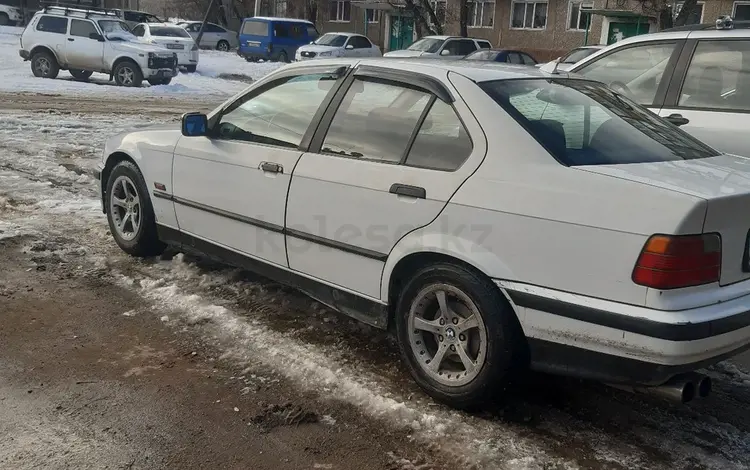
x=443, y=37
x=273, y=18
x=342, y=33
x=478, y=71
x=168, y=25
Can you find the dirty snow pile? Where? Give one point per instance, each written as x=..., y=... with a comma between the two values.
x=16, y=76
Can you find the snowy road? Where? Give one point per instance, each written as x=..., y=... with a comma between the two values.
x=48, y=209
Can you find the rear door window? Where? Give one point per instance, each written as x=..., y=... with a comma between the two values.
x=585, y=123
x=442, y=142
x=636, y=71
x=255, y=28
x=718, y=77
x=52, y=24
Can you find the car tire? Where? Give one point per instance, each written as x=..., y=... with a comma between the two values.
x=4, y=20
x=251, y=59
x=160, y=81
x=493, y=350
x=223, y=46
x=128, y=73
x=191, y=68
x=80, y=75
x=130, y=214
x=283, y=57
x=44, y=65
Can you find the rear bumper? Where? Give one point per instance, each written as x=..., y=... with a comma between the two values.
x=592, y=338
x=253, y=54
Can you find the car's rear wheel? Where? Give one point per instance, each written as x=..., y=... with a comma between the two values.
x=81, y=75
x=129, y=212
x=458, y=335
x=223, y=46
x=160, y=81
x=44, y=65
x=283, y=57
x=127, y=73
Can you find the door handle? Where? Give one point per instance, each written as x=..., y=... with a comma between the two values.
x=407, y=190
x=677, y=119
x=271, y=167
x=71, y=39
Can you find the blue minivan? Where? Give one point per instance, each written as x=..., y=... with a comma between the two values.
x=274, y=38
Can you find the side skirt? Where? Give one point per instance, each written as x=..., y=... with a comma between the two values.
x=359, y=308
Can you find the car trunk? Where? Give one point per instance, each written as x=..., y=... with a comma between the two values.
x=174, y=44
x=723, y=181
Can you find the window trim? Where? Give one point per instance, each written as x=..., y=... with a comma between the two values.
x=263, y=86
x=738, y=2
x=340, y=9
x=481, y=14
x=680, y=75
x=589, y=6
x=417, y=81
x=526, y=2
x=660, y=99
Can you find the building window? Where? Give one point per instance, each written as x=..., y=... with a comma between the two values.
x=529, y=15
x=481, y=14
x=279, y=7
x=696, y=17
x=741, y=11
x=439, y=7
x=578, y=19
x=373, y=16
x=341, y=11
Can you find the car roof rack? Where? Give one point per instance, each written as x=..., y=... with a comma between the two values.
x=721, y=23
x=75, y=9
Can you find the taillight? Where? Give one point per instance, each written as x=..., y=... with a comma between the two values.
x=674, y=261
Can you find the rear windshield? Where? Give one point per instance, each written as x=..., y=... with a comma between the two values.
x=167, y=32
x=255, y=28
x=585, y=123
x=578, y=54
x=482, y=55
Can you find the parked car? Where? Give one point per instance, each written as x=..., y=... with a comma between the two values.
x=87, y=41
x=214, y=36
x=133, y=18
x=274, y=38
x=338, y=45
x=698, y=79
x=576, y=55
x=500, y=217
x=509, y=56
x=450, y=47
x=171, y=37
x=10, y=16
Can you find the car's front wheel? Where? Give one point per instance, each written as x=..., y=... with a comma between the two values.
x=129, y=212
x=44, y=65
x=127, y=73
x=458, y=336
x=81, y=75
x=223, y=46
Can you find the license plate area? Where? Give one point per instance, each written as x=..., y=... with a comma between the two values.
x=175, y=46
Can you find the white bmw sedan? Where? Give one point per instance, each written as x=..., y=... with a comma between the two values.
x=172, y=37
x=338, y=45
x=498, y=218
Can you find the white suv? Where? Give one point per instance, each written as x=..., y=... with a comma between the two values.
x=10, y=15
x=88, y=41
x=499, y=217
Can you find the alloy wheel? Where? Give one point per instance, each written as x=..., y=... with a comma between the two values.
x=125, y=207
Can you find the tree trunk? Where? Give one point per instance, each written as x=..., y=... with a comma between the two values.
x=688, y=9
x=665, y=18
x=463, y=6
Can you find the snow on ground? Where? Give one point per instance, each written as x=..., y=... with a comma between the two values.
x=16, y=76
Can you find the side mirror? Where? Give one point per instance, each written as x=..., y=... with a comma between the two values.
x=350, y=46
x=96, y=37
x=445, y=52
x=194, y=124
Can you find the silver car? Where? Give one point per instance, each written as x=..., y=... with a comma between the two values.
x=698, y=79
x=214, y=36
x=448, y=47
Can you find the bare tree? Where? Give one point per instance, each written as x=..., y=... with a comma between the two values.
x=662, y=10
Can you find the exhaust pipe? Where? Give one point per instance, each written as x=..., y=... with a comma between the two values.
x=703, y=384
x=681, y=388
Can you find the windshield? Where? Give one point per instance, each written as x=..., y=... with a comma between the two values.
x=578, y=54
x=585, y=123
x=114, y=29
x=430, y=45
x=335, y=40
x=169, y=32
